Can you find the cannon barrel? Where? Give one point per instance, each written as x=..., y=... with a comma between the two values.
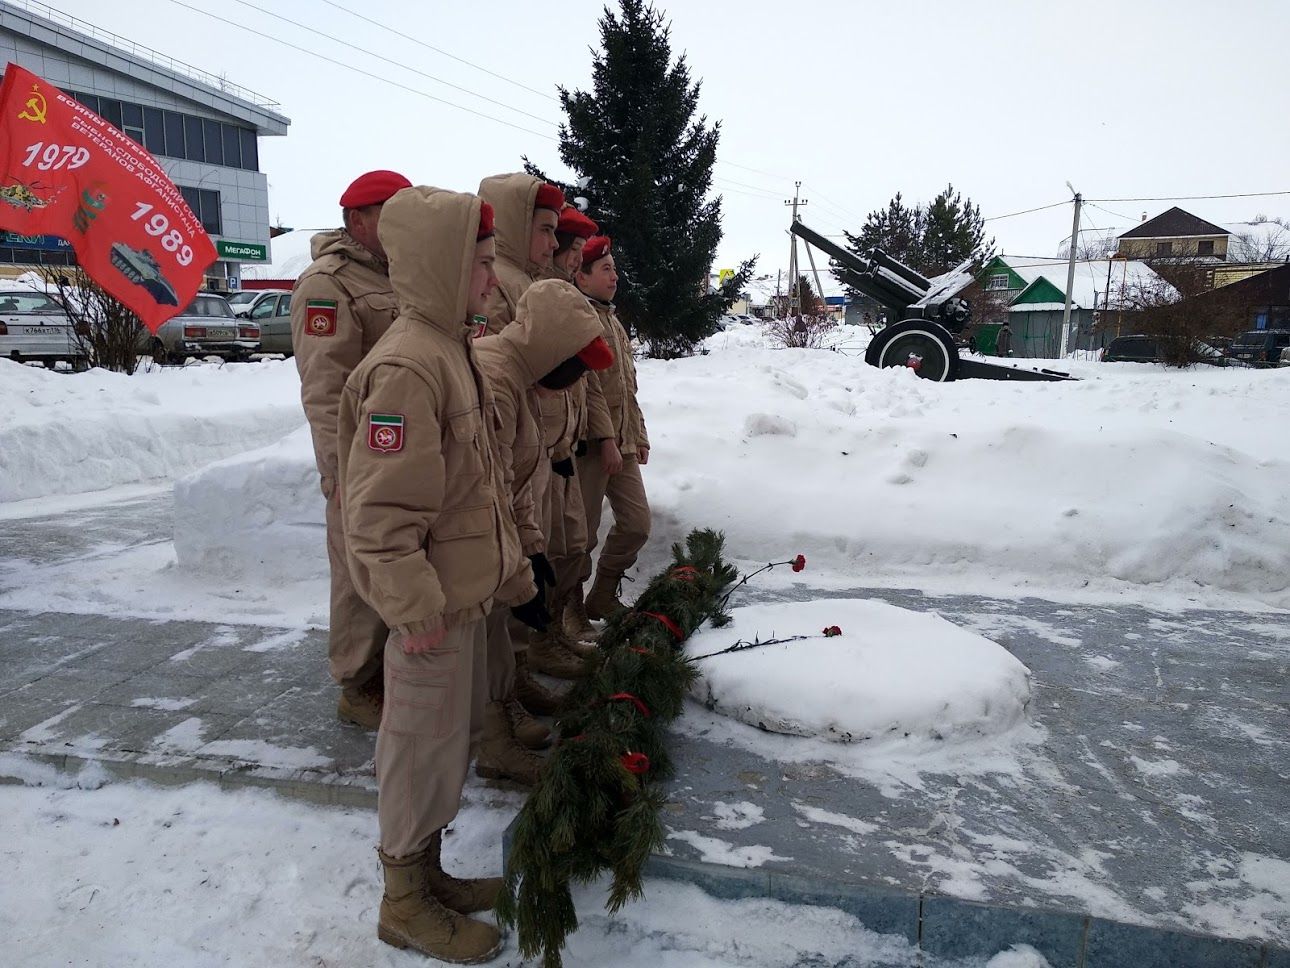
x=899, y=268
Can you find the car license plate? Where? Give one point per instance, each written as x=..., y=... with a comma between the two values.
x=219, y=334
x=39, y=331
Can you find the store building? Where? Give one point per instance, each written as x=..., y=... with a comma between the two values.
x=202, y=130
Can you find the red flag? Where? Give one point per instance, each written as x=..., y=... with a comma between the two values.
x=69, y=173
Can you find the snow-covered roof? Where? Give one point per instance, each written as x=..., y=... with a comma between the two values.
x=289, y=256
x=1265, y=241
x=1090, y=285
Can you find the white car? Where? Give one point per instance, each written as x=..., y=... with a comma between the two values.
x=34, y=328
x=1285, y=357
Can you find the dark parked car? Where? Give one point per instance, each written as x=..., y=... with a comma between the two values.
x=1260, y=347
x=1146, y=349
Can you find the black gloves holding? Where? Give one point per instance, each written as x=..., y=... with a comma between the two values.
x=533, y=613
x=543, y=573
x=580, y=449
x=563, y=467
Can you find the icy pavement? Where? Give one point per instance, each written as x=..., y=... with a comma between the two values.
x=1150, y=785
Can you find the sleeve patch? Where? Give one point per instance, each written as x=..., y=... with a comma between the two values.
x=385, y=432
x=320, y=317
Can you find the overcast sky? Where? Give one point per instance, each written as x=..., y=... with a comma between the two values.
x=857, y=100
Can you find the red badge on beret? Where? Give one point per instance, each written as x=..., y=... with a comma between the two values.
x=597, y=354
x=548, y=196
x=596, y=248
x=373, y=188
x=485, y=222
x=576, y=224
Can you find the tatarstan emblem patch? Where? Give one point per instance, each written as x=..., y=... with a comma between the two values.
x=385, y=432
x=320, y=317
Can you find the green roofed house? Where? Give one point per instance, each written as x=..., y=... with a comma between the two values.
x=1031, y=295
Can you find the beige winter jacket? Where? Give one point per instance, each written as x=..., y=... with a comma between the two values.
x=428, y=521
x=512, y=197
x=348, y=290
x=613, y=410
x=564, y=418
x=553, y=322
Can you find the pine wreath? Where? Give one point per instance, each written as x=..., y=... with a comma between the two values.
x=595, y=808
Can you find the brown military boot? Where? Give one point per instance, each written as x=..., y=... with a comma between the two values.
x=530, y=733
x=362, y=705
x=549, y=653
x=533, y=696
x=603, y=600
x=411, y=917
x=500, y=756
x=583, y=650
x=576, y=624
x=463, y=895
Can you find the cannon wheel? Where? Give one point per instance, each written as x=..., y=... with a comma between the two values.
x=923, y=346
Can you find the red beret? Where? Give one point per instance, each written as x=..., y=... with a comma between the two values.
x=373, y=188
x=548, y=196
x=573, y=222
x=597, y=355
x=596, y=248
x=485, y=222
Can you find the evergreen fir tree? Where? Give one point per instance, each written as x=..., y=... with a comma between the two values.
x=647, y=161
x=930, y=239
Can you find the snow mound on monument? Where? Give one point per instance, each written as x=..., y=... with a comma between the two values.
x=892, y=674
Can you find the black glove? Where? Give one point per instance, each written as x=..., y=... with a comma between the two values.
x=533, y=613
x=580, y=449
x=543, y=573
x=563, y=467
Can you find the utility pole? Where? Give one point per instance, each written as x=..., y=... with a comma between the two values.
x=1070, y=272
x=794, y=282
x=778, y=299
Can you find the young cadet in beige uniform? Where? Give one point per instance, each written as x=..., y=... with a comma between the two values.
x=564, y=424
x=527, y=212
x=432, y=547
x=555, y=338
x=618, y=444
x=342, y=304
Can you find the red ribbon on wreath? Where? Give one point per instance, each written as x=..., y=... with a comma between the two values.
x=832, y=631
x=685, y=573
x=639, y=651
x=628, y=697
x=635, y=763
x=667, y=623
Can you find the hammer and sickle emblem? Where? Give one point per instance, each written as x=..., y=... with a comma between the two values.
x=35, y=104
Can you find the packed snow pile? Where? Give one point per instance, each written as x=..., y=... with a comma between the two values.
x=890, y=674
x=1134, y=475
x=258, y=514
x=68, y=433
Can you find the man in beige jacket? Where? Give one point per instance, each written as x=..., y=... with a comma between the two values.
x=433, y=547
x=554, y=340
x=618, y=445
x=342, y=304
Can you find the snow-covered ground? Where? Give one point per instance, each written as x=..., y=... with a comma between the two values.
x=101, y=874
x=62, y=434
x=1136, y=483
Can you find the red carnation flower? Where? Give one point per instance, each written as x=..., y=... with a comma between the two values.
x=799, y=563
x=635, y=763
x=832, y=631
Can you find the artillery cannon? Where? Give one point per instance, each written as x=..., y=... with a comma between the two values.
x=924, y=316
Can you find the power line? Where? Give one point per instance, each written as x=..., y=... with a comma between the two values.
x=1190, y=198
x=438, y=50
x=841, y=209
x=359, y=70
x=390, y=60
x=1041, y=208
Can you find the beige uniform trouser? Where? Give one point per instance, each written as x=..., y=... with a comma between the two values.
x=356, y=636
x=434, y=715
x=565, y=527
x=626, y=493
x=501, y=654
